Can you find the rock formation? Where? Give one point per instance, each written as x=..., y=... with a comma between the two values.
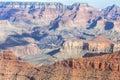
x=11, y=67
x=80, y=21
x=94, y=68
x=6, y=29
x=97, y=45
x=8, y=55
x=112, y=12
x=28, y=28
x=76, y=15
x=26, y=50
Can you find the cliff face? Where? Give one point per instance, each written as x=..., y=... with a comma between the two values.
x=12, y=68
x=99, y=44
x=112, y=12
x=26, y=50
x=93, y=68
x=6, y=29
x=38, y=13
x=8, y=55
x=80, y=15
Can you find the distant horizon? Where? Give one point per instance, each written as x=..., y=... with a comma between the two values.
x=100, y=4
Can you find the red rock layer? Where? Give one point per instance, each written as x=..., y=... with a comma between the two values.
x=106, y=67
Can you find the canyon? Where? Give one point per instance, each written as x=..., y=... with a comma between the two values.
x=23, y=24
x=53, y=41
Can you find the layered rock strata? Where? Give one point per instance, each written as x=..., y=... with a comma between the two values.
x=94, y=68
x=99, y=44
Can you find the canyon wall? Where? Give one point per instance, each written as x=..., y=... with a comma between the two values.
x=100, y=44
x=93, y=68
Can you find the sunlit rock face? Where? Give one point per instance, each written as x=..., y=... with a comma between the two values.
x=8, y=55
x=95, y=67
x=26, y=50
x=10, y=65
x=72, y=47
x=97, y=45
x=76, y=15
